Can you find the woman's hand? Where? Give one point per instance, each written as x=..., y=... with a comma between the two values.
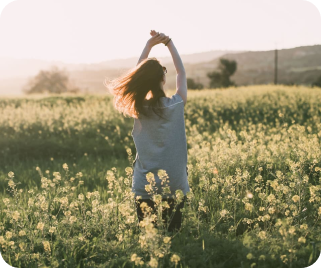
x=157, y=38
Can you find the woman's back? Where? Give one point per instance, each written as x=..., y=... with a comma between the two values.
x=161, y=144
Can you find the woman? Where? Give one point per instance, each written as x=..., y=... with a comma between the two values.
x=158, y=131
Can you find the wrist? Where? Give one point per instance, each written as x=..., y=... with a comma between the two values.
x=168, y=41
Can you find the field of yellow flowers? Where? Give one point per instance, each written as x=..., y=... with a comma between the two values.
x=254, y=162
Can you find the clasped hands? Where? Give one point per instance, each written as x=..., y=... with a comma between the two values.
x=157, y=38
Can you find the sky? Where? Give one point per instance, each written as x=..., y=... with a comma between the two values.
x=83, y=31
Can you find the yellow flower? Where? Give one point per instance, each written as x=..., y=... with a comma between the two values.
x=175, y=258
x=153, y=263
x=30, y=202
x=40, y=226
x=223, y=213
x=128, y=170
x=258, y=178
x=295, y=198
x=304, y=226
x=148, y=188
x=65, y=166
x=189, y=195
x=136, y=259
x=166, y=190
x=8, y=234
x=46, y=245
x=133, y=257
x=165, y=204
x=292, y=230
x=249, y=207
x=52, y=229
x=6, y=201
x=271, y=210
x=150, y=177
x=302, y=240
x=11, y=244
x=22, y=233
x=179, y=195
x=262, y=235
x=166, y=239
x=11, y=184
x=67, y=213
x=266, y=217
x=63, y=201
x=16, y=215
x=95, y=203
x=271, y=198
x=284, y=258
x=35, y=256
x=11, y=174
x=249, y=256
x=157, y=198
x=22, y=246
x=72, y=219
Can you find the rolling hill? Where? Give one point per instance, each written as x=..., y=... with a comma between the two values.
x=300, y=65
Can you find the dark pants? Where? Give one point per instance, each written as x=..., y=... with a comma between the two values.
x=175, y=218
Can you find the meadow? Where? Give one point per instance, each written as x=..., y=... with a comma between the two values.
x=254, y=163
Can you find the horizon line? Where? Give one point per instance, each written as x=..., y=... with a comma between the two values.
x=115, y=59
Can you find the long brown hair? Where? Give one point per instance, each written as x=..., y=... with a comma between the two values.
x=131, y=89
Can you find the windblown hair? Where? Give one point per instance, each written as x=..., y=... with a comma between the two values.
x=131, y=89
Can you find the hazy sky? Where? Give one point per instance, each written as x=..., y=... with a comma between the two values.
x=86, y=31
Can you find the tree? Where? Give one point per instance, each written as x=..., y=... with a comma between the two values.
x=53, y=81
x=192, y=85
x=222, y=77
x=317, y=83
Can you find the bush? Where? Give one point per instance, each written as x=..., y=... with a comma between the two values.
x=52, y=81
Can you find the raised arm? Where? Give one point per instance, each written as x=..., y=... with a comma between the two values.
x=181, y=82
x=145, y=53
x=156, y=38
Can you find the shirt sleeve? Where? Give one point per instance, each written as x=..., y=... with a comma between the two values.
x=174, y=100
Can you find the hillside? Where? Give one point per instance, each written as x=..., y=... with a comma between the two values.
x=300, y=65
x=14, y=73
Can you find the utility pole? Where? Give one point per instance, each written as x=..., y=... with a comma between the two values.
x=276, y=67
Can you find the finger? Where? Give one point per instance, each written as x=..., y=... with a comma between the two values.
x=160, y=36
